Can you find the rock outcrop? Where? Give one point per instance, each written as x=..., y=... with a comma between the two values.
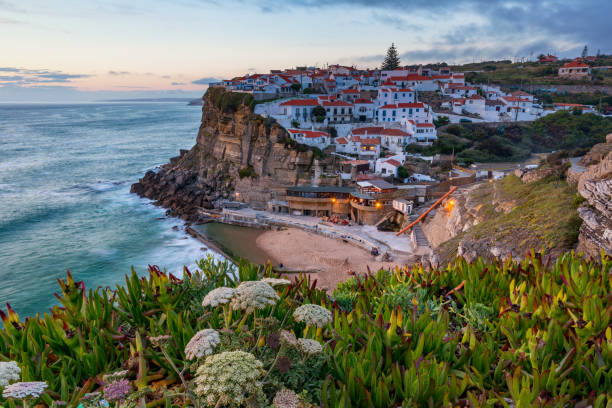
x=595, y=185
x=238, y=155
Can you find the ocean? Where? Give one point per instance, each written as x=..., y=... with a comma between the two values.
x=65, y=202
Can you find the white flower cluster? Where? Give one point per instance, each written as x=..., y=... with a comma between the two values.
x=228, y=378
x=23, y=390
x=309, y=346
x=251, y=295
x=288, y=338
x=312, y=315
x=276, y=282
x=286, y=398
x=9, y=372
x=202, y=344
x=117, y=375
x=218, y=296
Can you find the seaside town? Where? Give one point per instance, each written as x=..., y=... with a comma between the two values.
x=371, y=190
x=257, y=204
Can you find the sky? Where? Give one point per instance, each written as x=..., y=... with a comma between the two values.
x=87, y=50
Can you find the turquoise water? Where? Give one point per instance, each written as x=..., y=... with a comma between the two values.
x=65, y=176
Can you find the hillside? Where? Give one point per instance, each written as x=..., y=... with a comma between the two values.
x=474, y=142
x=528, y=73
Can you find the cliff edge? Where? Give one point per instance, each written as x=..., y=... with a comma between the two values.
x=238, y=155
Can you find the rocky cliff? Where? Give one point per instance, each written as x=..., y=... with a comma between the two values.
x=238, y=155
x=595, y=185
x=503, y=218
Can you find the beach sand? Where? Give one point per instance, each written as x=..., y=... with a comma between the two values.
x=326, y=259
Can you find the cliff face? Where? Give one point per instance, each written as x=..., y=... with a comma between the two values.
x=503, y=218
x=238, y=155
x=595, y=185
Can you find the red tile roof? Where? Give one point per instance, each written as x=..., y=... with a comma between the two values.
x=308, y=134
x=575, y=64
x=350, y=91
x=379, y=130
x=393, y=162
x=341, y=140
x=425, y=125
x=300, y=102
x=362, y=100
x=336, y=103
x=370, y=141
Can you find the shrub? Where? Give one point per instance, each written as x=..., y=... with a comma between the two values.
x=247, y=172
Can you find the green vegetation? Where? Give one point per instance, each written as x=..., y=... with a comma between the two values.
x=392, y=60
x=318, y=112
x=507, y=73
x=515, y=142
x=593, y=98
x=482, y=334
x=248, y=171
x=229, y=102
x=541, y=215
x=402, y=172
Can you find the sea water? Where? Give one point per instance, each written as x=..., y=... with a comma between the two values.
x=65, y=202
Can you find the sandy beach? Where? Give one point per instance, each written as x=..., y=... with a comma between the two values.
x=326, y=259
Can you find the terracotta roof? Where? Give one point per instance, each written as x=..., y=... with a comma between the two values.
x=423, y=125
x=379, y=130
x=370, y=141
x=350, y=91
x=308, y=134
x=514, y=99
x=300, y=102
x=476, y=96
x=575, y=64
x=362, y=100
x=573, y=105
x=336, y=103
x=403, y=105
x=341, y=140
x=411, y=77
x=393, y=162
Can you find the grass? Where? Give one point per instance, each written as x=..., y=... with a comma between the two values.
x=544, y=217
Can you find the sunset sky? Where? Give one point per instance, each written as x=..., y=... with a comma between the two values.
x=73, y=50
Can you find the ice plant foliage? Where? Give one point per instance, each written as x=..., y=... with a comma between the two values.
x=9, y=372
x=24, y=390
x=312, y=315
x=202, y=344
x=309, y=346
x=251, y=295
x=218, y=296
x=228, y=378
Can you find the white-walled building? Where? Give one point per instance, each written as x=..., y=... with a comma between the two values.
x=365, y=147
x=310, y=137
x=455, y=90
x=392, y=139
x=388, y=95
x=298, y=109
x=474, y=104
x=401, y=112
x=363, y=109
x=387, y=167
x=349, y=95
x=425, y=133
x=338, y=111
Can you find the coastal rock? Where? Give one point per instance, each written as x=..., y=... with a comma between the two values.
x=595, y=185
x=238, y=155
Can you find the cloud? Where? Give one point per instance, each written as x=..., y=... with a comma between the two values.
x=177, y=83
x=10, y=21
x=205, y=80
x=166, y=76
x=118, y=73
x=397, y=22
x=36, y=76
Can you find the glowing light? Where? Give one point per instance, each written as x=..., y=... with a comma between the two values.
x=333, y=199
x=378, y=205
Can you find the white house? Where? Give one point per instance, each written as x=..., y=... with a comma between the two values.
x=363, y=109
x=388, y=95
x=392, y=139
x=298, y=109
x=401, y=112
x=414, y=81
x=426, y=132
x=338, y=111
x=402, y=205
x=364, y=147
x=474, y=104
x=310, y=137
x=350, y=95
x=387, y=167
x=455, y=90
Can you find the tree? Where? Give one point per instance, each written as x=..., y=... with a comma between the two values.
x=402, y=172
x=392, y=60
x=296, y=87
x=318, y=112
x=585, y=52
